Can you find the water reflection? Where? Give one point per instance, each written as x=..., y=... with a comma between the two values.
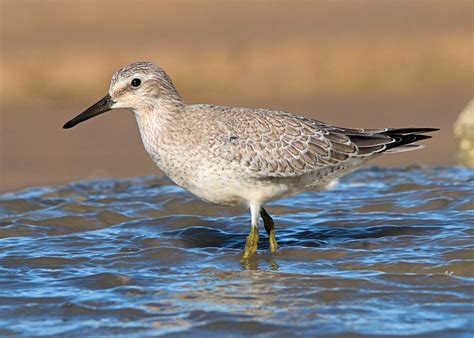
x=389, y=251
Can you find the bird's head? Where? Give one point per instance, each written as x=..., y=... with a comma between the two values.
x=138, y=87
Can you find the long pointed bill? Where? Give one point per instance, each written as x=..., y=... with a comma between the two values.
x=98, y=108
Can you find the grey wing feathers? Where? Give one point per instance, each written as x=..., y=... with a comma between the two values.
x=279, y=144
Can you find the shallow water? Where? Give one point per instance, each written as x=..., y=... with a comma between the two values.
x=388, y=251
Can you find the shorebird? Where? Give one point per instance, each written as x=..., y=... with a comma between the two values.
x=241, y=156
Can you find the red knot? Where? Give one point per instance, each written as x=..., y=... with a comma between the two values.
x=241, y=156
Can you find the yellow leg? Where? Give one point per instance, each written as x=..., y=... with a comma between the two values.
x=273, y=242
x=251, y=243
x=270, y=228
x=252, y=239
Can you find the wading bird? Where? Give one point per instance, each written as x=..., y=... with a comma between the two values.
x=241, y=156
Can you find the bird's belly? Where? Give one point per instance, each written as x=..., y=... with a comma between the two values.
x=219, y=189
x=241, y=190
x=229, y=188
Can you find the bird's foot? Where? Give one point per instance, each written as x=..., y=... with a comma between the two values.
x=251, y=243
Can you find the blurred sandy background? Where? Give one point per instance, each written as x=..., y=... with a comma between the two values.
x=353, y=63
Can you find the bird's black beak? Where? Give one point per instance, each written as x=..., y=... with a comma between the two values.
x=97, y=108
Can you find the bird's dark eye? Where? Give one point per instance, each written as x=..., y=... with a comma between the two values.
x=136, y=83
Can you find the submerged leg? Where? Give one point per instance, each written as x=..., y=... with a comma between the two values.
x=252, y=238
x=270, y=228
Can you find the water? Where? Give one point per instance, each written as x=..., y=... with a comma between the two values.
x=388, y=251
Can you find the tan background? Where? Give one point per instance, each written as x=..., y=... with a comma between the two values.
x=352, y=63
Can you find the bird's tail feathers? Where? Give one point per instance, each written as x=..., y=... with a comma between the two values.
x=377, y=141
x=405, y=137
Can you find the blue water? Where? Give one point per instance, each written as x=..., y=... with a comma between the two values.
x=387, y=252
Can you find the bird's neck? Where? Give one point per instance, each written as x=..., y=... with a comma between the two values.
x=161, y=125
x=159, y=113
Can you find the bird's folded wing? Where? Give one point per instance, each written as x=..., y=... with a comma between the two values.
x=266, y=143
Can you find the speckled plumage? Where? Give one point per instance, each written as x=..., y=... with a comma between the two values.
x=244, y=156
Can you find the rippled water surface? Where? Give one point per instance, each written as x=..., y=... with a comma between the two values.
x=388, y=251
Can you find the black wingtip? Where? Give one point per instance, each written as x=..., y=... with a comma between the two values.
x=406, y=131
x=430, y=130
x=405, y=136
